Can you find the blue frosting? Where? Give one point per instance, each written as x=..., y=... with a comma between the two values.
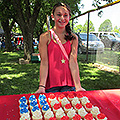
x=33, y=103
x=35, y=108
x=23, y=105
x=32, y=97
x=42, y=97
x=45, y=107
x=43, y=102
x=23, y=110
x=23, y=99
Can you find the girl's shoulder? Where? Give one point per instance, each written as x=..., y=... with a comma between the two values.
x=76, y=38
x=45, y=36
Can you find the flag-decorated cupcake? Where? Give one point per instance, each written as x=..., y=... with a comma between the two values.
x=68, y=107
x=71, y=113
x=88, y=106
x=78, y=106
x=89, y=116
x=56, y=107
x=70, y=96
x=101, y=116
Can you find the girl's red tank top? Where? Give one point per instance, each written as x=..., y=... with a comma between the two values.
x=59, y=73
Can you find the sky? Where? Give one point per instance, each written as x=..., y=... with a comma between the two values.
x=112, y=13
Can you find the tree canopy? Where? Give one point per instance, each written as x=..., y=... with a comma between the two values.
x=106, y=26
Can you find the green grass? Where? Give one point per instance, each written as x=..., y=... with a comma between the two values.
x=19, y=79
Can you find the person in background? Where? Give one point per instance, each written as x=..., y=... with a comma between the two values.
x=57, y=73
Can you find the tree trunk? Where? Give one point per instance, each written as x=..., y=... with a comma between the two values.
x=28, y=44
x=8, y=44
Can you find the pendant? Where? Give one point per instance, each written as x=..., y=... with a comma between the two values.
x=63, y=61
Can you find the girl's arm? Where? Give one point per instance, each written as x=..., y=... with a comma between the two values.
x=74, y=65
x=44, y=38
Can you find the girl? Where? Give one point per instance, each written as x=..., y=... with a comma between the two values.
x=57, y=73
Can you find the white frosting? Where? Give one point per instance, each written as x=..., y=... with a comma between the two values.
x=82, y=112
x=48, y=114
x=84, y=100
x=95, y=111
x=37, y=115
x=53, y=102
x=71, y=113
x=25, y=116
x=75, y=101
x=60, y=113
x=64, y=101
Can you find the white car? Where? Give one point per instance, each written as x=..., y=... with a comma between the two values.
x=94, y=44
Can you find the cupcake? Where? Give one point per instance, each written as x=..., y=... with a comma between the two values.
x=59, y=114
x=42, y=103
x=23, y=105
x=65, y=118
x=82, y=112
x=88, y=106
x=51, y=97
x=45, y=108
x=101, y=116
x=32, y=104
x=24, y=112
x=95, y=111
x=60, y=97
x=78, y=106
x=48, y=114
x=56, y=107
x=32, y=98
x=75, y=101
x=71, y=114
x=42, y=97
x=23, y=100
x=64, y=101
x=79, y=95
x=76, y=117
x=36, y=113
x=53, y=102
x=70, y=96
x=25, y=117
x=67, y=107
x=89, y=116
x=84, y=100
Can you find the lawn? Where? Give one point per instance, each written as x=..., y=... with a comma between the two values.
x=16, y=78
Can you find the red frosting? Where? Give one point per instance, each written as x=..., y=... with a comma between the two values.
x=79, y=95
x=68, y=106
x=70, y=95
x=56, y=106
x=61, y=96
x=78, y=106
x=52, y=118
x=51, y=96
x=77, y=117
x=65, y=118
x=89, y=105
x=89, y=116
x=101, y=116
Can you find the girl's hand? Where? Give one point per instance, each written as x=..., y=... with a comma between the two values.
x=80, y=89
x=40, y=90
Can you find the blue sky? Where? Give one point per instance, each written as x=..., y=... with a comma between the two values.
x=111, y=12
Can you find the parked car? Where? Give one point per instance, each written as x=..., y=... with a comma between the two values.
x=108, y=41
x=94, y=44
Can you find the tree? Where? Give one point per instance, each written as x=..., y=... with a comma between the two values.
x=78, y=28
x=91, y=27
x=106, y=26
x=116, y=29
x=7, y=22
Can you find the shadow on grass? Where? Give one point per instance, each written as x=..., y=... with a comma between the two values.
x=19, y=79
